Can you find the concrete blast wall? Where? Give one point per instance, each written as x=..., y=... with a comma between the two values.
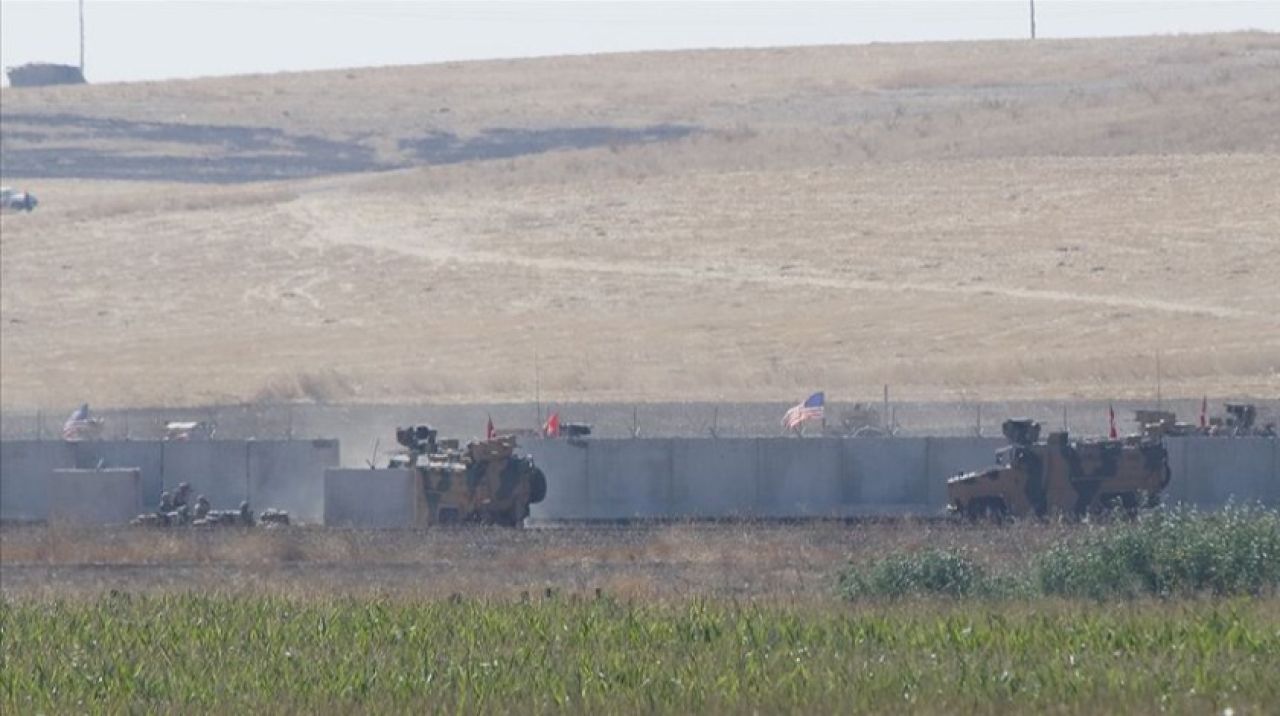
x=711, y=478
x=787, y=477
x=288, y=475
x=371, y=499
x=886, y=475
x=621, y=478
x=219, y=470
x=95, y=497
x=25, y=466
x=799, y=478
x=1210, y=472
x=565, y=464
x=766, y=477
x=145, y=455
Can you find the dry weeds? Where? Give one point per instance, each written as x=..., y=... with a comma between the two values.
x=767, y=561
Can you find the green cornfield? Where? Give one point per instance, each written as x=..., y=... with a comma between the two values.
x=190, y=653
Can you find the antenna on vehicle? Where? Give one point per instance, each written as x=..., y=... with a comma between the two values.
x=373, y=457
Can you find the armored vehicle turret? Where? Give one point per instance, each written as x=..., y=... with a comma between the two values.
x=1060, y=476
x=484, y=482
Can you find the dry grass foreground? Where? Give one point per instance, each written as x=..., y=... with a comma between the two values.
x=998, y=219
x=770, y=562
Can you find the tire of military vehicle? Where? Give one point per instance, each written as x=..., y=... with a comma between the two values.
x=512, y=517
x=1126, y=504
x=537, y=487
x=986, y=509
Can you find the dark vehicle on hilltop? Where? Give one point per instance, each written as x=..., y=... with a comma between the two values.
x=1058, y=476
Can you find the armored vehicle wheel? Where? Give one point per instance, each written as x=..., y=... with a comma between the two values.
x=514, y=517
x=1124, y=503
x=987, y=509
x=537, y=487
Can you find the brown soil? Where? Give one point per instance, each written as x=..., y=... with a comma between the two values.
x=961, y=220
x=793, y=562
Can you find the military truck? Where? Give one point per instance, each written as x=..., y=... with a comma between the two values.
x=1240, y=421
x=484, y=482
x=1059, y=476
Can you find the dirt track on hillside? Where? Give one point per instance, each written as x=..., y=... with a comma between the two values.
x=967, y=221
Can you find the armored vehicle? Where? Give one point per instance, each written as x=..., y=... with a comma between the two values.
x=1241, y=420
x=484, y=482
x=1037, y=478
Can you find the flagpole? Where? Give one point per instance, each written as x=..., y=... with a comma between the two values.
x=537, y=388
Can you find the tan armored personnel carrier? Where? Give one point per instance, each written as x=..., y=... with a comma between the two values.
x=484, y=482
x=1060, y=476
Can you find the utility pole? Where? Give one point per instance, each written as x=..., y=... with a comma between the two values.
x=82, y=38
x=1159, y=402
x=1033, y=19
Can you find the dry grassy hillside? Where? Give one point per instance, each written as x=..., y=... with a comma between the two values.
x=991, y=220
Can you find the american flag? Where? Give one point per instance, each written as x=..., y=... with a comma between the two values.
x=810, y=409
x=80, y=426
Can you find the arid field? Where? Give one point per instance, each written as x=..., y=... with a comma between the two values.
x=767, y=561
x=991, y=220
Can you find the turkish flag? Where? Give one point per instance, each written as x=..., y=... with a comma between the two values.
x=552, y=428
x=489, y=432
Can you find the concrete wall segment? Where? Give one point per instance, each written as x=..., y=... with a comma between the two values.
x=715, y=478
x=799, y=477
x=629, y=479
x=564, y=463
x=217, y=469
x=885, y=472
x=1235, y=469
x=146, y=455
x=95, y=497
x=24, y=469
x=370, y=499
x=289, y=475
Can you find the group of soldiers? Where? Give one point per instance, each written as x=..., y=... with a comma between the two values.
x=177, y=509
